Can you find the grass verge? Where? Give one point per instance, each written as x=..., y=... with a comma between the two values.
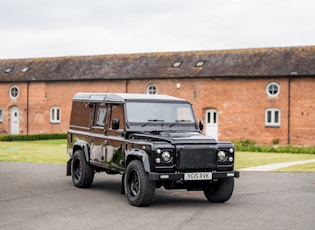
x=251, y=159
x=55, y=152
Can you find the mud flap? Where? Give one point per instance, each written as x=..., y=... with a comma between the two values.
x=69, y=167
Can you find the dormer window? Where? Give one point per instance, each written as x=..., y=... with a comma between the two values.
x=200, y=63
x=177, y=64
x=8, y=70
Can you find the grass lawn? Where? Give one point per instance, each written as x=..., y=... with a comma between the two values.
x=250, y=159
x=55, y=152
x=45, y=151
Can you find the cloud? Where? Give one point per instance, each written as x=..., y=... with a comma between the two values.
x=34, y=28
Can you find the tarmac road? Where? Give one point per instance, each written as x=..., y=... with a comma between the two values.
x=38, y=196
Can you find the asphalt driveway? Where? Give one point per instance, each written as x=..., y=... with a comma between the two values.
x=38, y=196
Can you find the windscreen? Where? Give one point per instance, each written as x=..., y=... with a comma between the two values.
x=159, y=112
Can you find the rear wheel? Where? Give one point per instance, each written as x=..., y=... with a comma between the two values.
x=220, y=191
x=81, y=171
x=139, y=189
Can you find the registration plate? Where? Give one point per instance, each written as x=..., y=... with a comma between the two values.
x=198, y=176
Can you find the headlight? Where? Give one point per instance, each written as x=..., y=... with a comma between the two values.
x=221, y=156
x=166, y=156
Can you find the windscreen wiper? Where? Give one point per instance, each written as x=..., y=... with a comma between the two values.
x=152, y=121
x=179, y=122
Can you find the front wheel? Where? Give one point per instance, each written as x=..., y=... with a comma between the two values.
x=81, y=171
x=139, y=189
x=220, y=191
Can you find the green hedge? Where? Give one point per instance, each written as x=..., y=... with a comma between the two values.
x=33, y=137
x=251, y=146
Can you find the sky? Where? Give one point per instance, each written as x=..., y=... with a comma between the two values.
x=53, y=28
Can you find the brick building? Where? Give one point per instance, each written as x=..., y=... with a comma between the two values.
x=266, y=95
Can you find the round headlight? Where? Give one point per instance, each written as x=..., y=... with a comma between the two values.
x=221, y=155
x=166, y=156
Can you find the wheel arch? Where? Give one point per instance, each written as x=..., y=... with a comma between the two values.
x=141, y=155
x=82, y=145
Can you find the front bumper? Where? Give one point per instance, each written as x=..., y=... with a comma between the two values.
x=181, y=176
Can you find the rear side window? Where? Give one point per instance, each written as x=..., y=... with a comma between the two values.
x=101, y=114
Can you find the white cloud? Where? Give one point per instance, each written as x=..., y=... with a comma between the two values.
x=33, y=28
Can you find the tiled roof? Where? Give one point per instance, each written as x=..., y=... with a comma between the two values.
x=223, y=63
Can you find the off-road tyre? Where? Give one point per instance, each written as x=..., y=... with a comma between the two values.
x=220, y=191
x=81, y=171
x=139, y=189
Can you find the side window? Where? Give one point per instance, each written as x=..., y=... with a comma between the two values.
x=117, y=115
x=54, y=115
x=272, y=117
x=100, y=117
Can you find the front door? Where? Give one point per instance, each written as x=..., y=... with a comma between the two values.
x=15, y=120
x=212, y=123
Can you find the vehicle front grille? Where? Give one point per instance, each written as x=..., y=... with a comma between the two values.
x=192, y=158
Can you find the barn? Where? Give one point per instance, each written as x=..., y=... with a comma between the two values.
x=263, y=94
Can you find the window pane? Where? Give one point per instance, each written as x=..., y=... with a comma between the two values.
x=276, y=116
x=214, y=117
x=268, y=116
x=209, y=117
x=53, y=114
x=58, y=114
x=101, y=116
x=0, y=115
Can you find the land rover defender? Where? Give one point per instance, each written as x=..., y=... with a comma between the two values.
x=152, y=141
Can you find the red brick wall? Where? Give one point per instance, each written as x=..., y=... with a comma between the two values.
x=241, y=104
x=303, y=111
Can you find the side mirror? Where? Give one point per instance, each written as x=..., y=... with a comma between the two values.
x=115, y=123
x=201, y=125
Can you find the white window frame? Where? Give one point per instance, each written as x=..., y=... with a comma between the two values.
x=270, y=86
x=11, y=92
x=55, y=115
x=272, y=117
x=1, y=115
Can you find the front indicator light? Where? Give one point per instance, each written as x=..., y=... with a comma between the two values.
x=231, y=159
x=158, y=160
